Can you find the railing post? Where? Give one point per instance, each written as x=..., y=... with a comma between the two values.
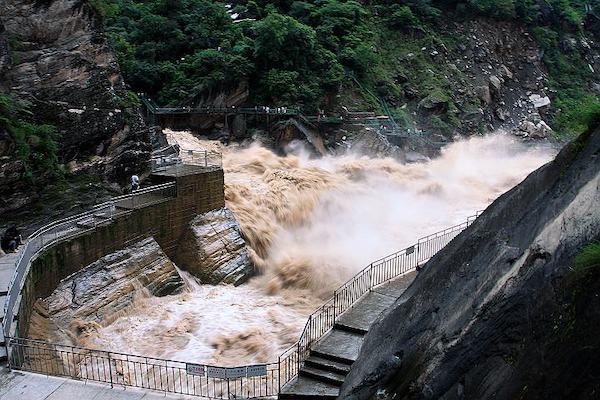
x=279, y=373
x=110, y=369
x=334, y=306
x=7, y=344
x=298, y=369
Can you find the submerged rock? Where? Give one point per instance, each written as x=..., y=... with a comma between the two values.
x=214, y=251
x=111, y=284
x=375, y=144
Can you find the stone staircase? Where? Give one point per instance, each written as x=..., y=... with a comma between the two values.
x=324, y=371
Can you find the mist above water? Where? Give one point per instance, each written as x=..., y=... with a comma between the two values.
x=311, y=224
x=314, y=223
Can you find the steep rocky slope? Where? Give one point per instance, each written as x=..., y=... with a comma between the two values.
x=501, y=312
x=54, y=55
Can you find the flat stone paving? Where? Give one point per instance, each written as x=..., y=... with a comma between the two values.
x=25, y=386
x=7, y=270
x=362, y=316
x=375, y=303
x=311, y=388
x=396, y=287
x=340, y=344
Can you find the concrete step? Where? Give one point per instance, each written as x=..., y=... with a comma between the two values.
x=322, y=375
x=359, y=318
x=306, y=388
x=350, y=328
x=327, y=365
x=339, y=345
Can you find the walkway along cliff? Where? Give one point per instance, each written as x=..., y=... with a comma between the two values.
x=55, y=251
x=503, y=311
x=162, y=212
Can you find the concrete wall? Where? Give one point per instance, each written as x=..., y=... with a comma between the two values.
x=166, y=222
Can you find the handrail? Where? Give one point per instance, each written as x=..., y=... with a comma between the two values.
x=38, y=241
x=275, y=374
x=348, y=294
x=202, y=158
x=392, y=128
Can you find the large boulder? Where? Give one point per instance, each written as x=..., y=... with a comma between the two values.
x=111, y=284
x=502, y=312
x=374, y=144
x=214, y=251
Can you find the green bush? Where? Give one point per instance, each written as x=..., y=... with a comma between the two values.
x=494, y=8
x=402, y=17
x=36, y=145
x=576, y=115
x=587, y=259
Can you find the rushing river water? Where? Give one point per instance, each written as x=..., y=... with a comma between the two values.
x=310, y=225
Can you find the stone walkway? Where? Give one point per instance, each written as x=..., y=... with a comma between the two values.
x=331, y=357
x=25, y=386
x=7, y=270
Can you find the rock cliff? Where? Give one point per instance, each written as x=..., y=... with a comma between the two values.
x=214, y=251
x=110, y=285
x=500, y=312
x=54, y=55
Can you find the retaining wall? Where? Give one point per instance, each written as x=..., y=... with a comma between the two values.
x=166, y=222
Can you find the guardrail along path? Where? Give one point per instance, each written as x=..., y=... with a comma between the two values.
x=330, y=359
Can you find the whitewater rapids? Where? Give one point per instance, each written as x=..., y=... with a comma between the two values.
x=311, y=224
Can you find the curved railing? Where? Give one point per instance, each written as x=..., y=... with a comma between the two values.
x=66, y=228
x=249, y=381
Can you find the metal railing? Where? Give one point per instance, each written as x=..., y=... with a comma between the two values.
x=344, y=298
x=187, y=157
x=211, y=109
x=68, y=227
x=250, y=381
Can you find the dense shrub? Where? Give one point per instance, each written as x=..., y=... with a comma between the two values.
x=297, y=52
x=35, y=145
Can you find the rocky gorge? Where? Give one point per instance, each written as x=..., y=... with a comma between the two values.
x=55, y=57
x=503, y=311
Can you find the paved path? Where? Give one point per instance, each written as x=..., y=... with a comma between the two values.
x=8, y=264
x=332, y=356
x=25, y=386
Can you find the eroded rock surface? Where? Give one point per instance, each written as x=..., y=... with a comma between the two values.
x=214, y=251
x=500, y=312
x=111, y=284
x=59, y=60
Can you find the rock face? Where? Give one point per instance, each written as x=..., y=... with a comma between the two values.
x=61, y=63
x=376, y=144
x=500, y=312
x=112, y=283
x=214, y=251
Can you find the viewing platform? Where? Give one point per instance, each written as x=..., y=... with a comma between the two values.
x=188, y=183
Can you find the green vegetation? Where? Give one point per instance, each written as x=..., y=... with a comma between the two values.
x=35, y=145
x=587, y=259
x=298, y=52
x=569, y=75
